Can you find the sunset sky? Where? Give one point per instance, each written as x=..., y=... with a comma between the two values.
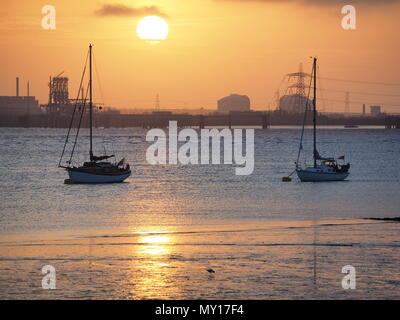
x=214, y=48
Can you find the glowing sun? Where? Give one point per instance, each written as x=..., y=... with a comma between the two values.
x=152, y=28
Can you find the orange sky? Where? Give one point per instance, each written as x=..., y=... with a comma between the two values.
x=214, y=48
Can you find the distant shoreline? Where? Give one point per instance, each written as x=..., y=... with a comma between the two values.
x=253, y=119
x=396, y=219
x=272, y=127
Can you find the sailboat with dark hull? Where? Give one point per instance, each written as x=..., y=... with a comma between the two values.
x=324, y=169
x=97, y=169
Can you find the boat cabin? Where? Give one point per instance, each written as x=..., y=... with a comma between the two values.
x=330, y=163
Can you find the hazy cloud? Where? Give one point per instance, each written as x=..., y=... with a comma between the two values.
x=121, y=10
x=325, y=2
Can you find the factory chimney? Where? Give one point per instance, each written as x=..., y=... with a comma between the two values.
x=17, y=84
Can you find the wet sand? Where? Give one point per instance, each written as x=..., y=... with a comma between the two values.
x=266, y=260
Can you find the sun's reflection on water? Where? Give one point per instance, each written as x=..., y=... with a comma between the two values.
x=152, y=273
x=155, y=244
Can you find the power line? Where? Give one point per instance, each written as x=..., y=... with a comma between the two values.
x=364, y=93
x=365, y=82
x=362, y=102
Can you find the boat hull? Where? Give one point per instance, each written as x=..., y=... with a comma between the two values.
x=85, y=177
x=309, y=176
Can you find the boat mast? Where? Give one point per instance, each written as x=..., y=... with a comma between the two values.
x=90, y=102
x=315, y=112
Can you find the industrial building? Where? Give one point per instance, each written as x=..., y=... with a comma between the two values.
x=19, y=105
x=375, y=110
x=294, y=103
x=234, y=102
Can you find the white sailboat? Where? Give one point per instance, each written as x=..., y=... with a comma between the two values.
x=323, y=169
x=96, y=170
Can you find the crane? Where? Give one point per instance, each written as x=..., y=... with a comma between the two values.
x=59, y=74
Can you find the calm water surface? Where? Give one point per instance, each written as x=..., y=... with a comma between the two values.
x=155, y=235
